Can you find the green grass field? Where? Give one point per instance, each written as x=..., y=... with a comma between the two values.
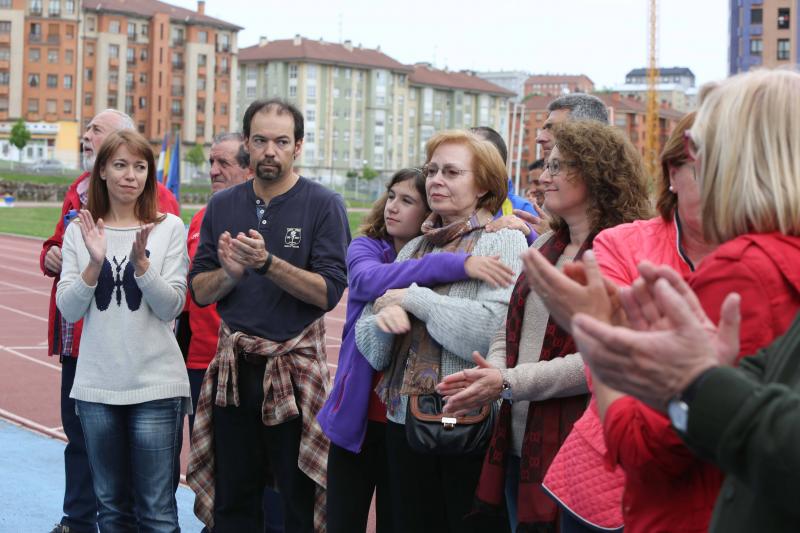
x=40, y=221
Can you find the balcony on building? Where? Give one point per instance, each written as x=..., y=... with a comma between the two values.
x=177, y=65
x=35, y=11
x=178, y=41
x=177, y=90
x=130, y=86
x=34, y=37
x=222, y=71
x=54, y=10
x=131, y=61
x=223, y=48
x=53, y=38
x=132, y=36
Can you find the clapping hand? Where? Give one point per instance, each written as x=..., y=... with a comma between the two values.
x=94, y=237
x=540, y=224
x=581, y=288
x=138, y=255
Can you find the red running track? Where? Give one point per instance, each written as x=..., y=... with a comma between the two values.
x=30, y=382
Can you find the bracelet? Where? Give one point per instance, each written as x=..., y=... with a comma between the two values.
x=265, y=267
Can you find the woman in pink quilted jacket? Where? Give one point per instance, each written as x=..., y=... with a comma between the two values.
x=579, y=478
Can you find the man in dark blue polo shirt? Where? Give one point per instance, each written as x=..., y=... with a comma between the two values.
x=272, y=256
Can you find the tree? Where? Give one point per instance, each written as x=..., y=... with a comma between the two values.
x=195, y=156
x=20, y=136
x=368, y=173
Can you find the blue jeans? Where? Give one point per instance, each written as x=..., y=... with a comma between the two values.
x=133, y=452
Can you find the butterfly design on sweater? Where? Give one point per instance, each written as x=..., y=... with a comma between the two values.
x=116, y=280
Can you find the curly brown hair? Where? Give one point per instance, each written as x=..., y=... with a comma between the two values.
x=374, y=223
x=606, y=161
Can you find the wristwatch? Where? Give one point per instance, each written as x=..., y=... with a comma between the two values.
x=265, y=267
x=678, y=407
x=505, y=392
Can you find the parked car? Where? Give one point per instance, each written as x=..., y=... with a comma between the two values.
x=47, y=166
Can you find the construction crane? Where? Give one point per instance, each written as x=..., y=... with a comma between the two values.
x=651, y=119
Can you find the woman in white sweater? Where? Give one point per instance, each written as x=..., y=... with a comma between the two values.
x=124, y=273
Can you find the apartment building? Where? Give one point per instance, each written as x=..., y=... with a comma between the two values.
x=513, y=80
x=558, y=84
x=361, y=106
x=625, y=112
x=62, y=61
x=762, y=33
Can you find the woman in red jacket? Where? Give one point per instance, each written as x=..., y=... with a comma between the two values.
x=742, y=150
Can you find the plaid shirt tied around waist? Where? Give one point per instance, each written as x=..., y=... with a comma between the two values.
x=296, y=380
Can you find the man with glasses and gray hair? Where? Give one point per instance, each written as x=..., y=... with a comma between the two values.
x=80, y=505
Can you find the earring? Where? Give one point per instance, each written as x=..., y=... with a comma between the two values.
x=671, y=189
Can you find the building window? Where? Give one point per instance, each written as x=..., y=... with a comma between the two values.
x=67, y=107
x=142, y=102
x=88, y=74
x=130, y=55
x=113, y=76
x=311, y=91
x=33, y=55
x=336, y=92
x=201, y=84
x=113, y=51
x=142, y=77
x=112, y=101
x=143, y=54
x=177, y=36
x=5, y=77
x=311, y=115
x=756, y=15
x=68, y=56
x=5, y=4
x=783, y=18
x=52, y=56
x=311, y=72
x=132, y=31
x=90, y=49
x=33, y=105
x=54, y=10
x=69, y=6
x=144, y=29
x=292, y=72
x=140, y=127
x=91, y=23
x=68, y=81
x=292, y=91
x=784, y=48
x=87, y=99
x=36, y=7
x=756, y=47
x=223, y=109
x=202, y=36
x=33, y=80
x=4, y=109
x=201, y=60
x=309, y=137
x=5, y=26
x=250, y=92
x=51, y=106
x=113, y=26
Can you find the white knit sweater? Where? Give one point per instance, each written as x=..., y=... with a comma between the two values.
x=128, y=352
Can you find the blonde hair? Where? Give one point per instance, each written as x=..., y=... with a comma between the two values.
x=487, y=165
x=746, y=132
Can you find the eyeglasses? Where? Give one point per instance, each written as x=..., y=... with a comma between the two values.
x=689, y=146
x=448, y=171
x=554, y=166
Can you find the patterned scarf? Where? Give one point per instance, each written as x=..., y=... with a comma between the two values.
x=548, y=423
x=416, y=356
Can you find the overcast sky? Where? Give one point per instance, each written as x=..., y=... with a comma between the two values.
x=601, y=38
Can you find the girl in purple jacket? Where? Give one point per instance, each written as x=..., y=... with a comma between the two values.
x=353, y=417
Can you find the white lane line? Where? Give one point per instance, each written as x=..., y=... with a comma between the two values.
x=37, y=274
x=27, y=422
x=23, y=313
x=26, y=289
x=38, y=347
x=29, y=358
x=22, y=259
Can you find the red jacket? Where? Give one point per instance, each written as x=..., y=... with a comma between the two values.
x=578, y=476
x=203, y=321
x=668, y=488
x=166, y=204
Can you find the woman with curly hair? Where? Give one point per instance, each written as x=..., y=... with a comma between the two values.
x=593, y=180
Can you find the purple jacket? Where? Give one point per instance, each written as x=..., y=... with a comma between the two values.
x=371, y=272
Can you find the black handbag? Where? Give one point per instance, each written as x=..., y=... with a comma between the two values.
x=430, y=431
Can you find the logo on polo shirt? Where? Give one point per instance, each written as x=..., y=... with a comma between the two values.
x=292, y=239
